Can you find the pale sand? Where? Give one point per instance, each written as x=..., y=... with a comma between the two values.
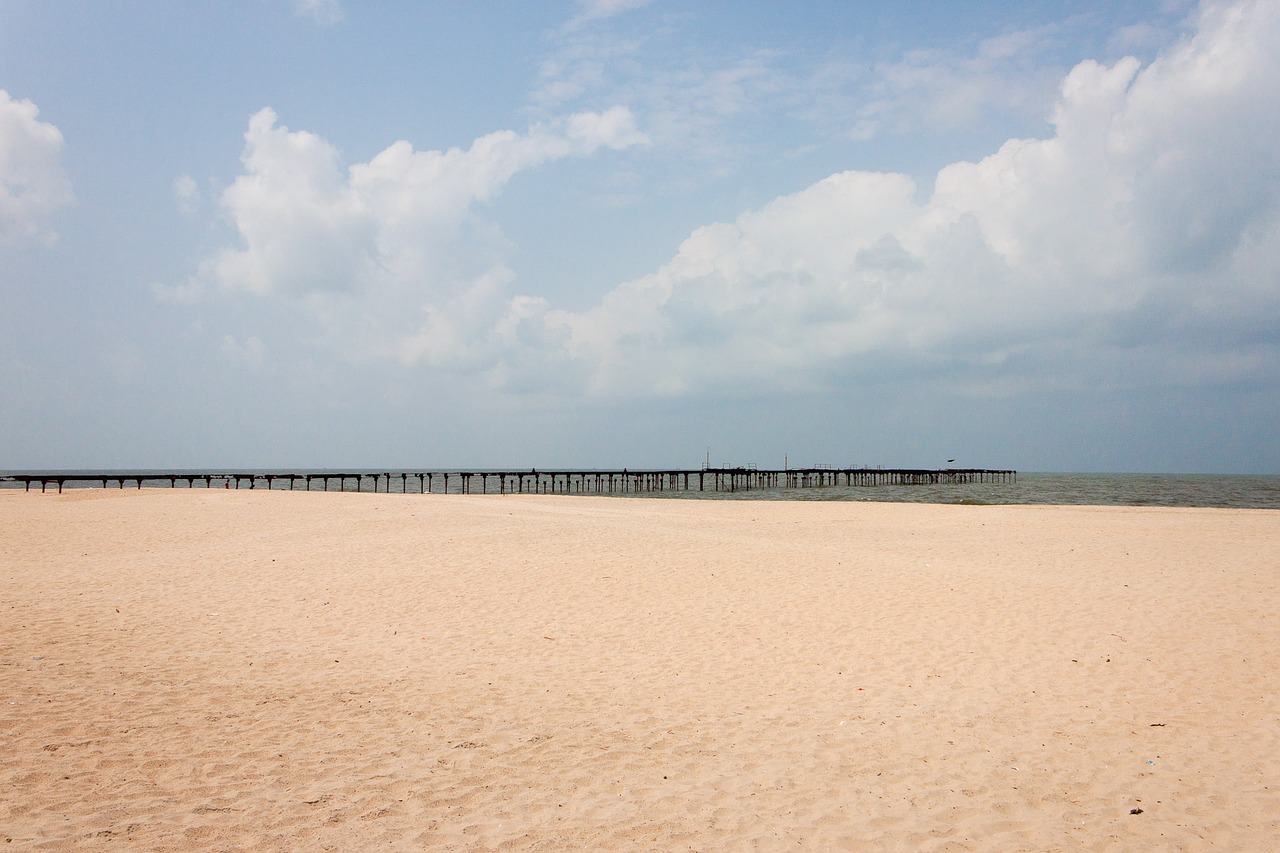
x=214, y=670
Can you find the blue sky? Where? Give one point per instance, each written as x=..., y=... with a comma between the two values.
x=324, y=233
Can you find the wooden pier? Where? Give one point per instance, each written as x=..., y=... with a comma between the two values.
x=533, y=481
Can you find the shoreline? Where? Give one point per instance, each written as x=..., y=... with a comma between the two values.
x=188, y=669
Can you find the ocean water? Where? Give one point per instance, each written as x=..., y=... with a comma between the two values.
x=1188, y=490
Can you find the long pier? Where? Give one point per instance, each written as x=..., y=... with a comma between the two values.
x=533, y=481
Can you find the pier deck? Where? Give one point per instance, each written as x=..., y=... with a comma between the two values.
x=533, y=481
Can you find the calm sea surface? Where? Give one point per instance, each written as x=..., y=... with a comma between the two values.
x=1198, y=490
x=1202, y=490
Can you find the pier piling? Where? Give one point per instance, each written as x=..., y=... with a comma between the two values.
x=565, y=481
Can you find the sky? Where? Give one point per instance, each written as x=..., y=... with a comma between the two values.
x=325, y=233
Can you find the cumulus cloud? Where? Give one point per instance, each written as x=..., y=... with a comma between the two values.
x=33, y=183
x=388, y=253
x=1151, y=211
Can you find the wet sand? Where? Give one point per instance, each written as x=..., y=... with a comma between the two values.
x=201, y=670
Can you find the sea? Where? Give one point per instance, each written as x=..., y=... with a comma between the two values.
x=1172, y=490
x=1186, y=490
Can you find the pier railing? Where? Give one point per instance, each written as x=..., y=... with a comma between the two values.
x=533, y=481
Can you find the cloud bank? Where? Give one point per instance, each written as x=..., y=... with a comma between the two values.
x=1151, y=214
x=1152, y=211
x=33, y=183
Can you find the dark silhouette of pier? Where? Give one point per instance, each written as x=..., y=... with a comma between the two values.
x=533, y=481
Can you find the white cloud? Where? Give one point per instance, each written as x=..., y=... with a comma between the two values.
x=595, y=10
x=186, y=193
x=388, y=255
x=700, y=109
x=947, y=89
x=33, y=183
x=323, y=12
x=716, y=103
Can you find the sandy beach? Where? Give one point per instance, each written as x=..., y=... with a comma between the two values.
x=252, y=670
